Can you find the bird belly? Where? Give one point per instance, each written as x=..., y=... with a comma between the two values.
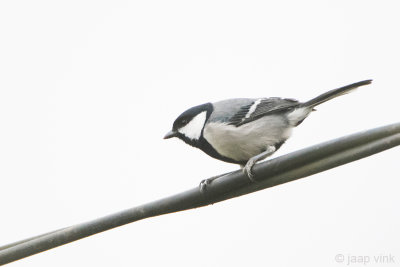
x=248, y=140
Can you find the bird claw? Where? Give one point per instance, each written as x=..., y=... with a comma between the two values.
x=206, y=182
x=203, y=185
x=248, y=170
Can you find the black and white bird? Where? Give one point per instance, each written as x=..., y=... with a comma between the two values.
x=244, y=130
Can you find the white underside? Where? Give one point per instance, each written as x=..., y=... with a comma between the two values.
x=248, y=140
x=298, y=115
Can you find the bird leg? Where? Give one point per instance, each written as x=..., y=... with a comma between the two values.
x=247, y=169
x=204, y=183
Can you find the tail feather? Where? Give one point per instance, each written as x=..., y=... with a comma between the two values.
x=304, y=109
x=334, y=93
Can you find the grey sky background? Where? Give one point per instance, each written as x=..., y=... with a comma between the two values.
x=89, y=88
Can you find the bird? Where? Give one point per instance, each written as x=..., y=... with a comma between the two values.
x=245, y=131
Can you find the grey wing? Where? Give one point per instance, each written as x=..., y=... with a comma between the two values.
x=261, y=107
x=223, y=110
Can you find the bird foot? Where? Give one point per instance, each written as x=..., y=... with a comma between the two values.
x=206, y=182
x=203, y=184
x=248, y=170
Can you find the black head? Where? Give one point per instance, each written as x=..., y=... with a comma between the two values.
x=189, y=125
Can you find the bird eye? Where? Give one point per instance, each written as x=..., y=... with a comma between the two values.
x=184, y=121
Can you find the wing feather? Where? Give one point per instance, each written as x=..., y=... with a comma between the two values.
x=260, y=108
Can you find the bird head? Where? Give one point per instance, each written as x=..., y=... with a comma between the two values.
x=190, y=124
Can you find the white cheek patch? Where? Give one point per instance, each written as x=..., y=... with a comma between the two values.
x=193, y=129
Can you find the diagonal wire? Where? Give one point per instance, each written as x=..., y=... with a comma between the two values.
x=276, y=171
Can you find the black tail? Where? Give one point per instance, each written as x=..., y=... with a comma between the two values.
x=334, y=93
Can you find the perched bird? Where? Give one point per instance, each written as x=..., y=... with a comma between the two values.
x=245, y=130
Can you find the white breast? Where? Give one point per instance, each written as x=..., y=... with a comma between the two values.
x=243, y=142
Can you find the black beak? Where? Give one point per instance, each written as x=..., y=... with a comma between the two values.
x=171, y=134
